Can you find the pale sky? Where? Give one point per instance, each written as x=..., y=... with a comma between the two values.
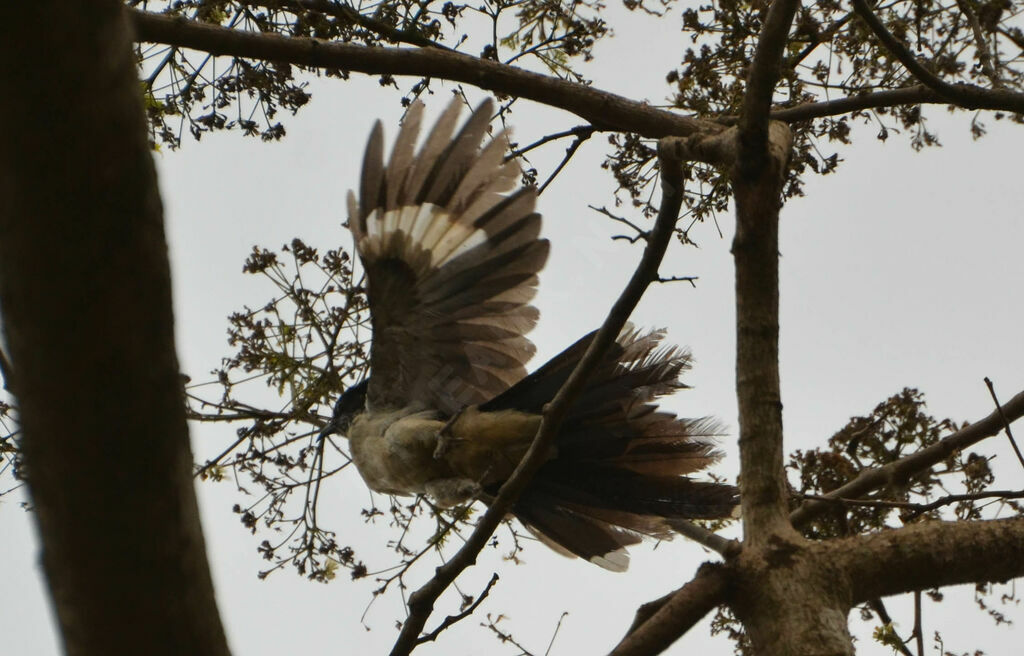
x=899, y=270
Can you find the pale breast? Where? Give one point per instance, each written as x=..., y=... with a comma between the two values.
x=395, y=453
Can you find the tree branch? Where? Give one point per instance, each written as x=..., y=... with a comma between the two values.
x=757, y=177
x=927, y=555
x=919, y=508
x=1006, y=422
x=421, y=602
x=90, y=328
x=888, y=98
x=661, y=622
x=965, y=95
x=578, y=131
x=452, y=619
x=763, y=76
x=603, y=109
x=899, y=470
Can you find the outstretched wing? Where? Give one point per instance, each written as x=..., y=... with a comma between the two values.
x=451, y=264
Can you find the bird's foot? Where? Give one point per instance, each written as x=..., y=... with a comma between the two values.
x=448, y=492
x=445, y=437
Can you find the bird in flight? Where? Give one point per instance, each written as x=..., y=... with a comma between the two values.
x=451, y=261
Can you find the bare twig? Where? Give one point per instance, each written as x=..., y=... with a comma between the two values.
x=877, y=477
x=452, y=619
x=702, y=536
x=569, y=152
x=421, y=602
x=577, y=131
x=640, y=232
x=554, y=635
x=918, y=630
x=690, y=279
x=1006, y=422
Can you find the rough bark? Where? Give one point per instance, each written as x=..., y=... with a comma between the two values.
x=86, y=301
x=929, y=555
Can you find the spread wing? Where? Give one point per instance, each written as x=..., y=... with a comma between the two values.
x=451, y=263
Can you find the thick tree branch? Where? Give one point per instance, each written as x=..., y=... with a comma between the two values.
x=928, y=555
x=603, y=109
x=85, y=289
x=762, y=77
x=757, y=183
x=899, y=470
x=964, y=95
x=888, y=98
x=661, y=622
x=421, y=602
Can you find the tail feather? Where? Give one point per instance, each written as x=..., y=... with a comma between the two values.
x=574, y=534
x=621, y=464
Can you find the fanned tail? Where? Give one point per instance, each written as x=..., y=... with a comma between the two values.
x=621, y=464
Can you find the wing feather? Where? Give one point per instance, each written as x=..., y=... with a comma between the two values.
x=451, y=263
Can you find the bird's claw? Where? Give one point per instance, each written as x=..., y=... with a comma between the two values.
x=445, y=437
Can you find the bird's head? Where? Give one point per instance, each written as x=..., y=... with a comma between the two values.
x=349, y=404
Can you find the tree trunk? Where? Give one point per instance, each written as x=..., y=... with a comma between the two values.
x=86, y=300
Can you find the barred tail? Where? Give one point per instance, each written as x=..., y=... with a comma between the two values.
x=621, y=464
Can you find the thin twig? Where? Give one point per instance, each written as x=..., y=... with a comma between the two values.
x=421, y=602
x=883, y=614
x=690, y=279
x=640, y=232
x=452, y=619
x=918, y=631
x=554, y=635
x=569, y=152
x=577, y=131
x=1006, y=422
x=701, y=535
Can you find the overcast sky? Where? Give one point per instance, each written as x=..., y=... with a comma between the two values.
x=903, y=269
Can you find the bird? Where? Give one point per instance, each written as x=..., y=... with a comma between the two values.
x=451, y=252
